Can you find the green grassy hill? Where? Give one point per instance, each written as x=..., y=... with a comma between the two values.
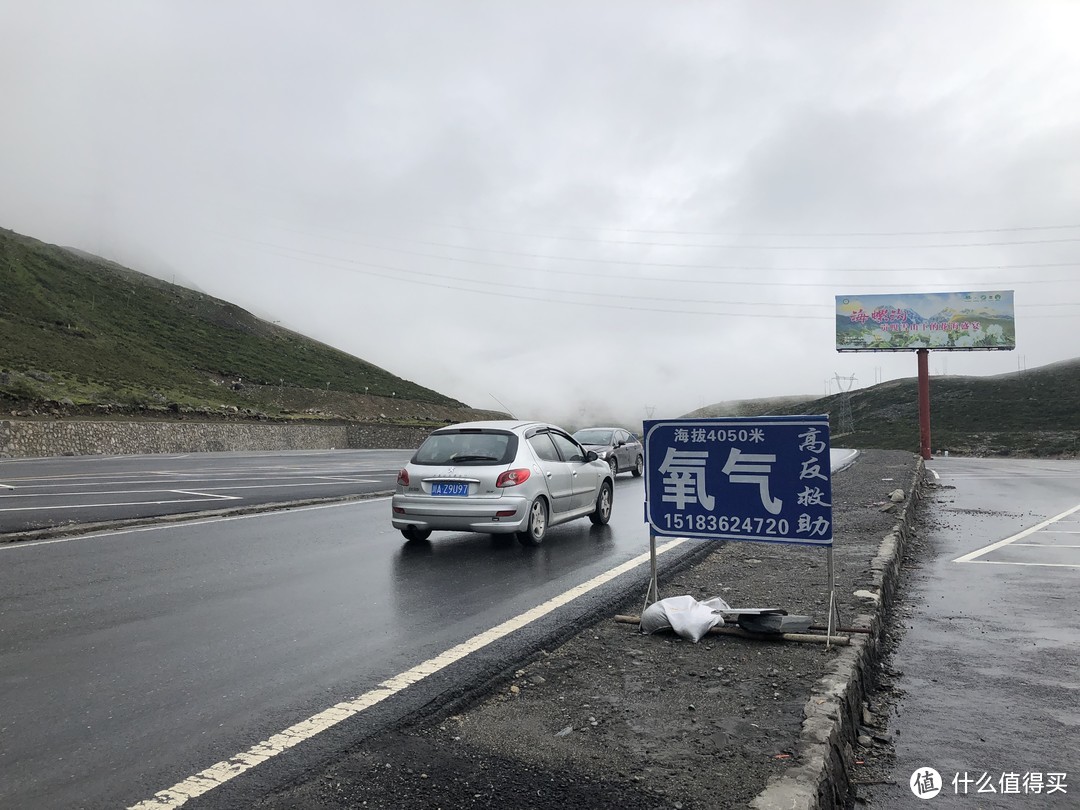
x=85, y=335
x=1030, y=413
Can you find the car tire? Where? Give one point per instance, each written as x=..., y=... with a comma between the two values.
x=639, y=467
x=536, y=528
x=614, y=464
x=602, y=514
x=415, y=535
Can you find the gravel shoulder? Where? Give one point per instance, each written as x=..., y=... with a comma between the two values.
x=614, y=718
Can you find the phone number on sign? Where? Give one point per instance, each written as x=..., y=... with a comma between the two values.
x=733, y=525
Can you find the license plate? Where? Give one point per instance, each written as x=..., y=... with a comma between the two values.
x=444, y=488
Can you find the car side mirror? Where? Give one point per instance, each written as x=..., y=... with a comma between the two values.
x=590, y=455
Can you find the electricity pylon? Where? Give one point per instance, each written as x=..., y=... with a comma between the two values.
x=846, y=422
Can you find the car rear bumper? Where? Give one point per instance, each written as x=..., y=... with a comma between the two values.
x=461, y=514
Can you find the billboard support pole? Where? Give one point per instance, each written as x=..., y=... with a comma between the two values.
x=924, y=403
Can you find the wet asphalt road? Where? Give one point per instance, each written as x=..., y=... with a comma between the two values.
x=134, y=658
x=990, y=661
x=63, y=492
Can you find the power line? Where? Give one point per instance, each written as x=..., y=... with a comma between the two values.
x=752, y=234
x=609, y=277
x=669, y=265
x=338, y=262
x=643, y=243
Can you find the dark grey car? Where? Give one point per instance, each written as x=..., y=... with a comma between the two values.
x=617, y=446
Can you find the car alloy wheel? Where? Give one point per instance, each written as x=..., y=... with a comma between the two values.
x=537, y=526
x=639, y=467
x=614, y=464
x=602, y=514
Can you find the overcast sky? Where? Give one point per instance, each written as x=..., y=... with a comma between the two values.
x=583, y=211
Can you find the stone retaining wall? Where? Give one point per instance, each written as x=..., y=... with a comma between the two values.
x=39, y=439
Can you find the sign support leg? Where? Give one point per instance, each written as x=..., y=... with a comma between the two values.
x=653, y=594
x=832, y=600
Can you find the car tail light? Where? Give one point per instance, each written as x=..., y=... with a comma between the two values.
x=403, y=478
x=511, y=478
x=399, y=510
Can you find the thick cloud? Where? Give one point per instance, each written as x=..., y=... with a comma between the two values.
x=583, y=211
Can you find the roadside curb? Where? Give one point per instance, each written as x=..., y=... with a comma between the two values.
x=834, y=710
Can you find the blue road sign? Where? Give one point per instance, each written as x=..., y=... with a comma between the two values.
x=763, y=478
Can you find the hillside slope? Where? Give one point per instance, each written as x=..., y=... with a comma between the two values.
x=1031, y=413
x=80, y=334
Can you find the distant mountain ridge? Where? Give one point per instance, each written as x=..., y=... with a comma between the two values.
x=80, y=334
x=1029, y=413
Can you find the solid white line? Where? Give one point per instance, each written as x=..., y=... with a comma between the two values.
x=227, y=769
x=294, y=486
x=993, y=546
x=206, y=490
x=164, y=526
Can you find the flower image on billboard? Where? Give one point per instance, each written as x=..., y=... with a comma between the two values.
x=954, y=321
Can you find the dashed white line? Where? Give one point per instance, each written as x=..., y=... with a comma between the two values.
x=225, y=770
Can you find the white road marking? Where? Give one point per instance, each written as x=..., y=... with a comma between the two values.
x=976, y=477
x=1041, y=545
x=115, y=492
x=972, y=556
x=127, y=503
x=936, y=476
x=225, y=770
x=1028, y=564
x=205, y=494
x=167, y=526
x=188, y=479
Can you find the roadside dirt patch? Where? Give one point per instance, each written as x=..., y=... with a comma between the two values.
x=613, y=718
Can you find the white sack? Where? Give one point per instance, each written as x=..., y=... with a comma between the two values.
x=685, y=615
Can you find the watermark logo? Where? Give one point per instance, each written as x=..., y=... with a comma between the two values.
x=925, y=783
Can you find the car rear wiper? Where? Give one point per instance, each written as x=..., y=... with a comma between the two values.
x=472, y=458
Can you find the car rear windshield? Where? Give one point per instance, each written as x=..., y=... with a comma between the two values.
x=467, y=448
x=593, y=436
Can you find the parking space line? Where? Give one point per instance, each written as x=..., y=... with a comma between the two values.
x=1026, y=564
x=974, y=555
x=225, y=770
x=1040, y=545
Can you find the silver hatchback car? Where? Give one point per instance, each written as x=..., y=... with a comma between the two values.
x=500, y=477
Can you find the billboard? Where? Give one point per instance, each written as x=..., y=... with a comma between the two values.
x=955, y=321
